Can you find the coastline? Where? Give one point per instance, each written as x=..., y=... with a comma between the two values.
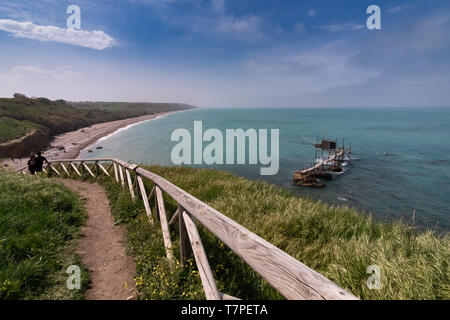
x=70, y=144
x=123, y=128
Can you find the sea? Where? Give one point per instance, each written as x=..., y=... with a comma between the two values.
x=399, y=168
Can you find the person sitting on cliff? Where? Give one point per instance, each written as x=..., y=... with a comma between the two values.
x=39, y=162
x=32, y=163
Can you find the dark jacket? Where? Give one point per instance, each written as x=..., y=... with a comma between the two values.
x=39, y=162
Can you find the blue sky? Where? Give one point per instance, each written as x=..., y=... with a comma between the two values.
x=229, y=53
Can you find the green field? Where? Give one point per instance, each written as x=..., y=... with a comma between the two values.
x=338, y=242
x=40, y=222
x=11, y=129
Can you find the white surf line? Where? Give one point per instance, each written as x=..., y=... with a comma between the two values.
x=128, y=127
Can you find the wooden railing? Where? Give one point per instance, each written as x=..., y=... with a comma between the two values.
x=288, y=276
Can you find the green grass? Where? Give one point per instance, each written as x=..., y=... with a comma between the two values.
x=12, y=129
x=338, y=242
x=40, y=222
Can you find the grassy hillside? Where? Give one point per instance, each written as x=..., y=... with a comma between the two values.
x=40, y=221
x=338, y=242
x=136, y=107
x=61, y=116
x=11, y=129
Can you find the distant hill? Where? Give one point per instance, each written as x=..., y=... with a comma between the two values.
x=21, y=115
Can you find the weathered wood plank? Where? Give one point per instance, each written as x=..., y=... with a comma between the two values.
x=174, y=218
x=103, y=169
x=75, y=169
x=116, y=174
x=110, y=166
x=209, y=285
x=145, y=199
x=152, y=194
x=185, y=248
x=164, y=224
x=130, y=184
x=224, y=296
x=323, y=162
x=65, y=169
x=87, y=169
x=55, y=170
x=122, y=180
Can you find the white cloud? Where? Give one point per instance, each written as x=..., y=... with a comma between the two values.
x=398, y=9
x=210, y=18
x=90, y=39
x=61, y=73
x=218, y=6
x=230, y=25
x=299, y=27
x=306, y=72
x=338, y=27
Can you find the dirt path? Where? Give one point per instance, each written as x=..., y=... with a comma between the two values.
x=103, y=247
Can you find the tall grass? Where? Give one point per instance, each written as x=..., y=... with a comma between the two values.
x=338, y=242
x=39, y=223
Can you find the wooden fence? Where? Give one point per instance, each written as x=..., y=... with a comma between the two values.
x=288, y=276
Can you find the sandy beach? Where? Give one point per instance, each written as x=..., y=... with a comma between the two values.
x=69, y=145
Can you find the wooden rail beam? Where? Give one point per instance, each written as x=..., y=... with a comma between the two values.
x=55, y=170
x=65, y=169
x=122, y=180
x=103, y=169
x=145, y=199
x=174, y=218
x=130, y=184
x=87, y=169
x=75, y=169
x=116, y=174
x=224, y=296
x=152, y=194
x=164, y=224
x=209, y=285
x=185, y=248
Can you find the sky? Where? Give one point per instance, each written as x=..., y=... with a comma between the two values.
x=229, y=53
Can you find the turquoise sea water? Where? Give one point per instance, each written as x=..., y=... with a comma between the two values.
x=401, y=156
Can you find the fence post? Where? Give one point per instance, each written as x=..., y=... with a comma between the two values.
x=164, y=224
x=185, y=248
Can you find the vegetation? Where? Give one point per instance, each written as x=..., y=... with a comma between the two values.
x=39, y=218
x=338, y=242
x=61, y=116
x=40, y=222
x=138, y=108
x=11, y=129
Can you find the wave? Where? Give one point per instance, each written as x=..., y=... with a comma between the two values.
x=128, y=127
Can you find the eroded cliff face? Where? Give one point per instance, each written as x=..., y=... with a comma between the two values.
x=23, y=147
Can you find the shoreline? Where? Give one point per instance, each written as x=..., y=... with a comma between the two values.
x=70, y=144
x=124, y=128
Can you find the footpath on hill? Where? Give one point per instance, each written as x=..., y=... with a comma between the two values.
x=102, y=248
